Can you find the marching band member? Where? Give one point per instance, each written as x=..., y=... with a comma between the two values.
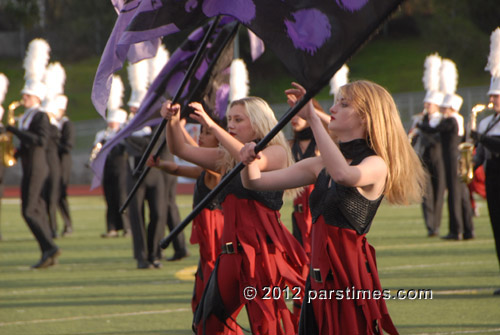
x=373, y=159
x=4, y=84
x=116, y=169
x=66, y=143
x=452, y=131
x=33, y=133
x=488, y=138
x=145, y=238
x=257, y=250
x=428, y=146
x=54, y=79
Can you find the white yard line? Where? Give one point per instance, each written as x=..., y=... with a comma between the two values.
x=91, y=317
x=422, y=266
x=428, y=245
x=41, y=290
x=478, y=331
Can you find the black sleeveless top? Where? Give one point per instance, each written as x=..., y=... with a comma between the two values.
x=200, y=192
x=305, y=134
x=270, y=199
x=343, y=206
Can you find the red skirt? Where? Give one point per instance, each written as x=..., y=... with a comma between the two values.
x=206, y=231
x=346, y=296
x=265, y=255
x=259, y=230
x=477, y=183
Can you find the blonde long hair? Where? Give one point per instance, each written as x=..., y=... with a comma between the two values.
x=387, y=137
x=262, y=119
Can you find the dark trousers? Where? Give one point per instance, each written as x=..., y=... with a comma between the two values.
x=432, y=205
x=493, y=198
x=455, y=190
x=52, y=189
x=173, y=216
x=33, y=206
x=146, y=242
x=114, y=184
x=467, y=211
x=63, y=204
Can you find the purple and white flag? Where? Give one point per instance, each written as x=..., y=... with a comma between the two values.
x=110, y=62
x=209, y=78
x=313, y=38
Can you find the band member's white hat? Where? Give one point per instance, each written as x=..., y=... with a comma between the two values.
x=434, y=97
x=36, y=88
x=494, y=62
x=454, y=101
x=117, y=115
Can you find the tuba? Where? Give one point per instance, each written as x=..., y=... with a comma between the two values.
x=6, y=144
x=466, y=149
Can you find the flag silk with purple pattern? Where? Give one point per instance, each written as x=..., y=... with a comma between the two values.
x=110, y=60
x=211, y=78
x=313, y=38
x=136, y=36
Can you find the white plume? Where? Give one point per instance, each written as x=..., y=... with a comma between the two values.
x=138, y=76
x=339, y=79
x=494, y=58
x=432, y=67
x=157, y=63
x=36, y=60
x=115, y=100
x=4, y=84
x=55, y=78
x=449, y=76
x=238, y=80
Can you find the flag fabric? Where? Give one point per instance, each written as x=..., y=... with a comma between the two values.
x=256, y=45
x=136, y=36
x=313, y=38
x=157, y=18
x=320, y=34
x=110, y=62
x=204, y=86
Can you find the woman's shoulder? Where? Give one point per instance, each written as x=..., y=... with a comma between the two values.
x=375, y=165
x=374, y=159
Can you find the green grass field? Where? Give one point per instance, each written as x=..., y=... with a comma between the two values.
x=96, y=289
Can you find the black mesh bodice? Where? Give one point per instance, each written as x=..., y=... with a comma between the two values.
x=200, y=192
x=340, y=205
x=270, y=199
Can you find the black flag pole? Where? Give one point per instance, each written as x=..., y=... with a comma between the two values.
x=195, y=90
x=227, y=178
x=189, y=73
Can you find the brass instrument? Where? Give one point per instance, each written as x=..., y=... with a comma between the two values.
x=6, y=144
x=98, y=146
x=466, y=149
x=95, y=151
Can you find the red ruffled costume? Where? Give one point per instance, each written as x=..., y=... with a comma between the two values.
x=349, y=261
x=206, y=231
x=342, y=262
x=258, y=252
